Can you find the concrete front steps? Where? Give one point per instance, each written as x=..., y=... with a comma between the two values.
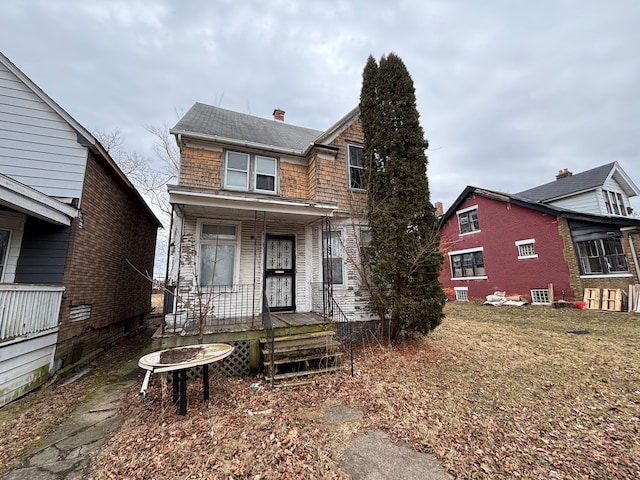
x=298, y=357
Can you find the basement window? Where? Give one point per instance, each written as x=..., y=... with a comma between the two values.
x=462, y=294
x=540, y=297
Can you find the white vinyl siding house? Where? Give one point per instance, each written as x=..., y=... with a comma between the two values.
x=38, y=148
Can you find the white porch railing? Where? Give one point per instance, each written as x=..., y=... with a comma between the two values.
x=27, y=309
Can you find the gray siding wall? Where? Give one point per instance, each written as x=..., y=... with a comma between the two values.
x=37, y=147
x=43, y=254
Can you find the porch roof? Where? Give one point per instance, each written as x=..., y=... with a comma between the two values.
x=179, y=195
x=22, y=198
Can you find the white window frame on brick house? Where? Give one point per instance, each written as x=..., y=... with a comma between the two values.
x=248, y=172
x=526, y=248
x=355, y=165
x=468, y=221
x=462, y=294
x=224, y=240
x=468, y=258
x=540, y=296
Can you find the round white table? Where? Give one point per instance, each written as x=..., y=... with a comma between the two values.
x=187, y=357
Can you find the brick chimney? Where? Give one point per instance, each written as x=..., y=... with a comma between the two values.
x=563, y=173
x=439, y=209
x=278, y=115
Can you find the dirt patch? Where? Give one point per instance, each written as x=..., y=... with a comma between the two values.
x=340, y=414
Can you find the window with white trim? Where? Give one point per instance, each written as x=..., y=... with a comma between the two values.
x=468, y=220
x=332, y=258
x=250, y=172
x=540, y=296
x=462, y=294
x=467, y=264
x=218, y=254
x=526, y=248
x=613, y=203
x=356, y=167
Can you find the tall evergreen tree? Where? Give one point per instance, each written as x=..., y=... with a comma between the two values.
x=403, y=258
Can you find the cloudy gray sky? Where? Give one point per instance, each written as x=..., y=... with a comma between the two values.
x=509, y=91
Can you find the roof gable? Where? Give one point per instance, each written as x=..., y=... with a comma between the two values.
x=579, y=183
x=214, y=123
x=533, y=205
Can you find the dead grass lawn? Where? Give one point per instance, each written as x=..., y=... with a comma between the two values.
x=500, y=392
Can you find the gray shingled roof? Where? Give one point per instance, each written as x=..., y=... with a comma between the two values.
x=212, y=121
x=579, y=182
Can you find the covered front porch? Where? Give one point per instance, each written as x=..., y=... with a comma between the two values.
x=244, y=270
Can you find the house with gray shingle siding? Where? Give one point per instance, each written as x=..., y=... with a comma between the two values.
x=265, y=210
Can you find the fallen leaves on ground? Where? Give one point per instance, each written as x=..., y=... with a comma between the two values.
x=492, y=393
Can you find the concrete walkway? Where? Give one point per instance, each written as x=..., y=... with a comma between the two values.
x=66, y=453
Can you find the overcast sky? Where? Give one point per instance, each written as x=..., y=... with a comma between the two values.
x=509, y=92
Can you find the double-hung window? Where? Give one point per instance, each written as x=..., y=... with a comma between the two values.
x=250, y=172
x=467, y=264
x=613, y=203
x=356, y=167
x=468, y=220
x=332, y=258
x=603, y=256
x=218, y=254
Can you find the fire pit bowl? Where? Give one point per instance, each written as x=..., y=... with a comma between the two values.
x=179, y=358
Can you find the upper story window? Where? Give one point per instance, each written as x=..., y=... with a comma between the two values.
x=526, y=248
x=467, y=264
x=250, y=172
x=613, y=203
x=604, y=256
x=356, y=167
x=468, y=220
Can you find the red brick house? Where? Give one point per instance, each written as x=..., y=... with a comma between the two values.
x=70, y=223
x=545, y=244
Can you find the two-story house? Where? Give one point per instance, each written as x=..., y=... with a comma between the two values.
x=548, y=243
x=70, y=223
x=266, y=208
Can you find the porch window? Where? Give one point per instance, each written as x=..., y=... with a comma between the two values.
x=601, y=257
x=467, y=264
x=218, y=248
x=356, y=167
x=468, y=220
x=250, y=172
x=332, y=259
x=5, y=235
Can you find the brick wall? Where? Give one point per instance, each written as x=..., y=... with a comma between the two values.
x=114, y=227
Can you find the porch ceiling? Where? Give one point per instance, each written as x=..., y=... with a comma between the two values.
x=244, y=206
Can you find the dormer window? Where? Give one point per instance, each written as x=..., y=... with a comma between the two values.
x=250, y=172
x=613, y=203
x=468, y=220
